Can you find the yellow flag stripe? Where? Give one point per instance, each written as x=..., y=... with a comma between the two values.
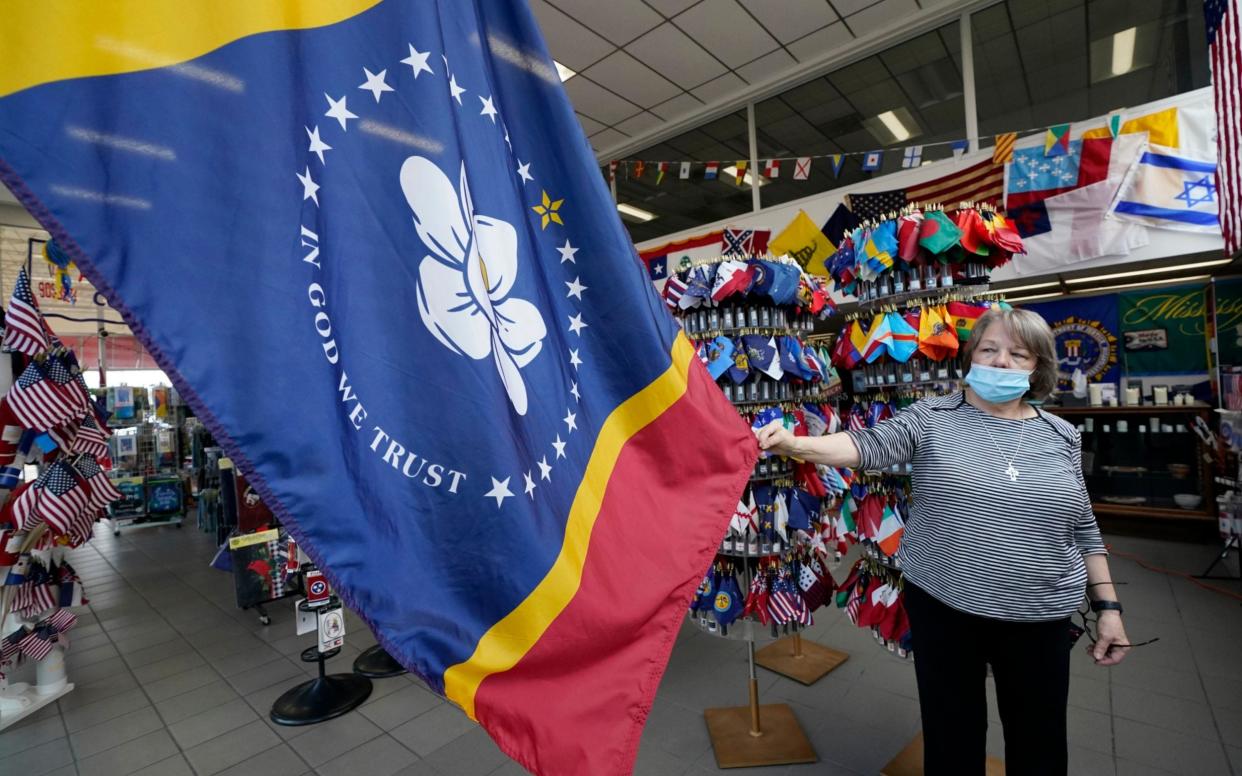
x=55, y=40
x=506, y=642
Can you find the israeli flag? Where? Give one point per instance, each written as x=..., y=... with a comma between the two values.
x=1169, y=191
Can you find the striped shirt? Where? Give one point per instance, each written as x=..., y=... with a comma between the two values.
x=974, y=539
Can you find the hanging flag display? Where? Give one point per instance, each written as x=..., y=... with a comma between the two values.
x=1086, y=331
x=662, y=261
x=1056, y=140
x=1170, y=191
x=1002, y=152
x=685, y=171
x=871, y=161
x=745, y=242
x=1114, y=125
x=739, y=168
x=1224, y=31
x=912, y=156
x=640, y=167
x=660, y=172
x=802, y=168
x=805, y=243
x=960, y=147
x=772, y=168
x=569, y=420
x=980, y=183
x=710, y=170
x=612, y=171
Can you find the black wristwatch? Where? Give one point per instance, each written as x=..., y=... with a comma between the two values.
x=1106, y=606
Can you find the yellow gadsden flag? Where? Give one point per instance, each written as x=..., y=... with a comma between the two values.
x=803, y=240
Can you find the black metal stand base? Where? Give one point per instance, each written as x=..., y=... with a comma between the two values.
x=1233, y=545
x=323, y=698
x=376, y=663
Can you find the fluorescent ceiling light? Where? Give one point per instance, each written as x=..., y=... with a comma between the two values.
x=564, y=72
x=1153, y=271
x=638, y=214
x=1012, y=299
x=747, y=179
x=894, y=125
x=1123, y=51
x=1029, y=287
x=1164, y=282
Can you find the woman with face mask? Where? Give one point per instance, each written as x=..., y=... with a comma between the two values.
x=999, y=547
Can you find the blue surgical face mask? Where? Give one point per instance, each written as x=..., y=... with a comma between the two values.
x=996, y=385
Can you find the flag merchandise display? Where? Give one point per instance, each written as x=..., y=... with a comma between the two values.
x=1224, y=33
x=1056, y=140
x=1002, y=151
x=772, y=168
x=662, y=261
x=912, y=156
x=838, y=161
x=979, y=183
x=662, y=169
x=872, y=160
x=802, y=168
x=550, y=402
x=803, y=241
x=684, y=174
x=710, y=170
x=745, y=242
x=1168, y=191
x=740, y=171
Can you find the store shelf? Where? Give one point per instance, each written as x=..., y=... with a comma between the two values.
x=1127, y=510
x=1141, y=409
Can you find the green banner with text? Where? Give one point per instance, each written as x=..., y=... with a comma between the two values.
x=1164, y=330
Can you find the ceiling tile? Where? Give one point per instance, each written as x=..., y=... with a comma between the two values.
x=589, y=125
x=880, y=16
x=678, y=106
x=619, y=22
x=766, y=66
x=607, y=138
x=591, y=99
x=730, y=32
x=569, y=42
x=673, y=53
x=820, y=42
x=638, y=124
x=790, y=19
x=847, y=7
x=671, y=7
x=724, y=86
x=631, y=79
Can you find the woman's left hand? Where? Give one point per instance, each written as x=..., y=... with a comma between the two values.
x=1109, y=632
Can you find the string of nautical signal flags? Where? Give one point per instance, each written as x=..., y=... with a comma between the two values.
x=1056, y=143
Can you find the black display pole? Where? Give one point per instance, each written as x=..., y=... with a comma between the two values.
x=376, y=663
x=325, y=697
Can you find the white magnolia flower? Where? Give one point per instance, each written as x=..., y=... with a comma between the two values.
x=463, y=286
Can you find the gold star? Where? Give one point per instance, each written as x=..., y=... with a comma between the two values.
x=548, y=211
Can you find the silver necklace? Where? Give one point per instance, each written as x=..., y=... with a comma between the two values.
x=1011, y=471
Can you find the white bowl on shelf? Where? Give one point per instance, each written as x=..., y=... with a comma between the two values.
x=1187, y=500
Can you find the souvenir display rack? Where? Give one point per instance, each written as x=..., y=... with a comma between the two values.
x=750, y=319
x=147, y=453
x=51, y=425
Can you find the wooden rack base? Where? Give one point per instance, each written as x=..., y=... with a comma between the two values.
x=909, y=762
x=802, y=661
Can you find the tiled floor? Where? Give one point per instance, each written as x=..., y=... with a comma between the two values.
x=172, y=679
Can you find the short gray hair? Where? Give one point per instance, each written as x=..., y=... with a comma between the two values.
x=1030, y=329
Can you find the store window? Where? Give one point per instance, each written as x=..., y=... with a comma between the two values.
x=908, y=95
x=1056, y=61
x=650, y=209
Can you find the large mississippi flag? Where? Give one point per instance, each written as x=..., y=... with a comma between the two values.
x=371, y=246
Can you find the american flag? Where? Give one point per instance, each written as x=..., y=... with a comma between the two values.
x=58, y=369
x=39, y=403
x=1224, y=31
x=61, y=500
x=103, y=492
x=91, y=439
x=978, y=183
x=20, y=508
x=23, y=324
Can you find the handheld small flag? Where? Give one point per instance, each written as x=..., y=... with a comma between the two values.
x=802, y=168
x=872, y=160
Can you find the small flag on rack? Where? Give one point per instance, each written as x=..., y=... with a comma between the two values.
x=23, y=324
x=912, y=157
x=959, y=147
x=710, y=170
x=802, y=168
x=685, y=171
x=1056, y=142
x=772, y=169
x=838, y=161
x=872, y=160
x=1003, y=152
x=662, y=169
x=740, y=171
x=37, y=402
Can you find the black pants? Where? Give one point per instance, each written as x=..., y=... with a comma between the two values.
x=1030, y=662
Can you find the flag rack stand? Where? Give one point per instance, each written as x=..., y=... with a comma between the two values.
x=753, y=735
x=374, y=662
x=803, y=661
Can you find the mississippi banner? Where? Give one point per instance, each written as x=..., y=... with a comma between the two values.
x=370, y=245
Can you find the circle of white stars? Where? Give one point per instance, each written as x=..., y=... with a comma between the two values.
x=377, y=84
